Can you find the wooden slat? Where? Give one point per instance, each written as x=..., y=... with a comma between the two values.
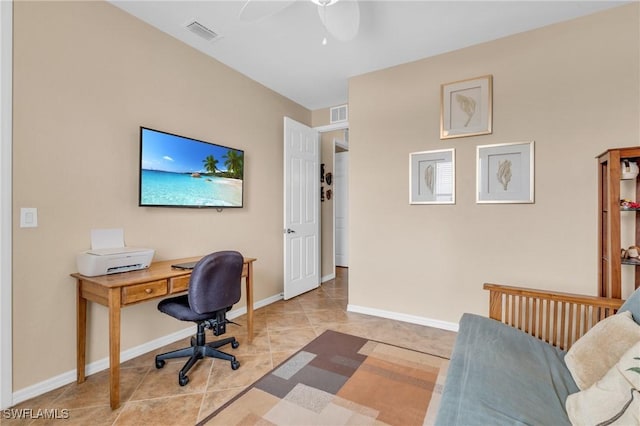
x=527, y=315
x=506, y=307
x=540, y=316
x=496, y=305
x=570, y=327
x=554, y=322
x=548, y=317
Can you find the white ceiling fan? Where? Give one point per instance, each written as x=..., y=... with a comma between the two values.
x=341, y=18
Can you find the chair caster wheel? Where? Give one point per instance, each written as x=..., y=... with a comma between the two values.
x=159, y=363
x=235, y=365
x=235, y=344
x=183, y=380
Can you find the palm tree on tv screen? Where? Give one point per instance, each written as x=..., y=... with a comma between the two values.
x=234, y=163
x=210, y=163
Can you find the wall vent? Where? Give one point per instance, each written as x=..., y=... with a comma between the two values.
x=200, y=30
x=339, y=114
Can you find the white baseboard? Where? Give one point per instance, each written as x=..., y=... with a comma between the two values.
x=103, y=364
x=328, y=277
x=413, y=319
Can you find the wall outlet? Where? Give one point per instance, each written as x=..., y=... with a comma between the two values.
x=28, y=217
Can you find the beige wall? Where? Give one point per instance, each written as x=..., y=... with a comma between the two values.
x=320, y=117
x=86, y=76
x=573, y=88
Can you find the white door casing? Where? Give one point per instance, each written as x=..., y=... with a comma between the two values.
x=341, y=188
x=6, y=141
x=301, y=208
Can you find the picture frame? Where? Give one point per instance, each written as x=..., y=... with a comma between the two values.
x=466, y=107
x=432, y=177
x=505, y=173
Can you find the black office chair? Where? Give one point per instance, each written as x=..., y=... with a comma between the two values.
x=214, y=288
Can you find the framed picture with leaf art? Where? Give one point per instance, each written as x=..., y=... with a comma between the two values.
x=505, y=173
x=432, y=177
x=466, y=107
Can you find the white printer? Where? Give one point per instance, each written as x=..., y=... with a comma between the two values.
x=108, y=254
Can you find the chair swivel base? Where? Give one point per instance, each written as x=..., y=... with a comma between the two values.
x=199, y=350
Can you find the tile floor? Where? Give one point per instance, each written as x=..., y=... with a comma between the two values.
x=153, y=397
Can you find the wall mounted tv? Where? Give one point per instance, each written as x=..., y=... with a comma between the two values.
x=177, y=171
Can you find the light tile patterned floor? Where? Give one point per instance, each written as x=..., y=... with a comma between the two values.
x=153, y=397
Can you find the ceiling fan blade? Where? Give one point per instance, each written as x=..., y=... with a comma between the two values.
x=254, y=10
x=341, y=19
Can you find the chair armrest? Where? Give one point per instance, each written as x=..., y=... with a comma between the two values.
x=555, y=317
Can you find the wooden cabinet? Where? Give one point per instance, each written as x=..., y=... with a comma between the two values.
x=613, y=221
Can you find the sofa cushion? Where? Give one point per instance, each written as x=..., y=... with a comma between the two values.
x=592, y=355
x=499, y=375
x=632, y=305
x=614, y=399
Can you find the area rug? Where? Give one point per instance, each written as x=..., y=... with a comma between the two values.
x=339, y=379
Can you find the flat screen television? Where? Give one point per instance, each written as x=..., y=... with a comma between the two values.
x=177, y=171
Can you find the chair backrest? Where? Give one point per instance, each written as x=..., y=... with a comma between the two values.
x=215, y=282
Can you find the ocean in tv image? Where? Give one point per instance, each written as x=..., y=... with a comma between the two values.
x=178, y=171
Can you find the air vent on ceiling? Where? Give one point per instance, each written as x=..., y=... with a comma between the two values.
x=338, y=114
x=200, y=30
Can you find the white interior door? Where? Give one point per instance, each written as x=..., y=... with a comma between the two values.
x=301, y=208
x=341, y=179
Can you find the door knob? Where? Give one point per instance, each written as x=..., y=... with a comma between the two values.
x=290, y=231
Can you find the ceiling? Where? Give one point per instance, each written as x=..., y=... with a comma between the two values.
x=284, y=50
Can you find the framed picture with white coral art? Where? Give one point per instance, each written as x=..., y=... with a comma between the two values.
x=505, y=173
x=466, y=107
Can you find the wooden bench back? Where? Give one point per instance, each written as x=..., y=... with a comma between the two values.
x=557, y=318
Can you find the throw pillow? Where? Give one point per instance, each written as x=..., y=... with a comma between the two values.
x=614, y=399
x=592, y=355
x=633, y=304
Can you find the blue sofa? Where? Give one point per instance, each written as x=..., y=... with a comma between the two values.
x=499, y=375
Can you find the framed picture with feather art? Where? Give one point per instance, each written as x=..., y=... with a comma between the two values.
x=432, y=177
x=466, y=107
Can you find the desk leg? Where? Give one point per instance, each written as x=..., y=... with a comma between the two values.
x=249, y=284
x=114, y=347
x=81, y=333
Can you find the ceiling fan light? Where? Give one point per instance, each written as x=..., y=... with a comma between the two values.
x=324, y=2
x=342, y=20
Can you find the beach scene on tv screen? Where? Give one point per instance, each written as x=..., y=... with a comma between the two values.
x=177, y=171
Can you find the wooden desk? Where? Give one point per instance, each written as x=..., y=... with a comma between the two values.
x=117, y=290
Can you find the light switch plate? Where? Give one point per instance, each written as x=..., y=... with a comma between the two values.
x=28, y=217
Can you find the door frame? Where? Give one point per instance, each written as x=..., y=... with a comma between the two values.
x=343, y=125
x=346, y=147
x=331, y=127
x=6, y=140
